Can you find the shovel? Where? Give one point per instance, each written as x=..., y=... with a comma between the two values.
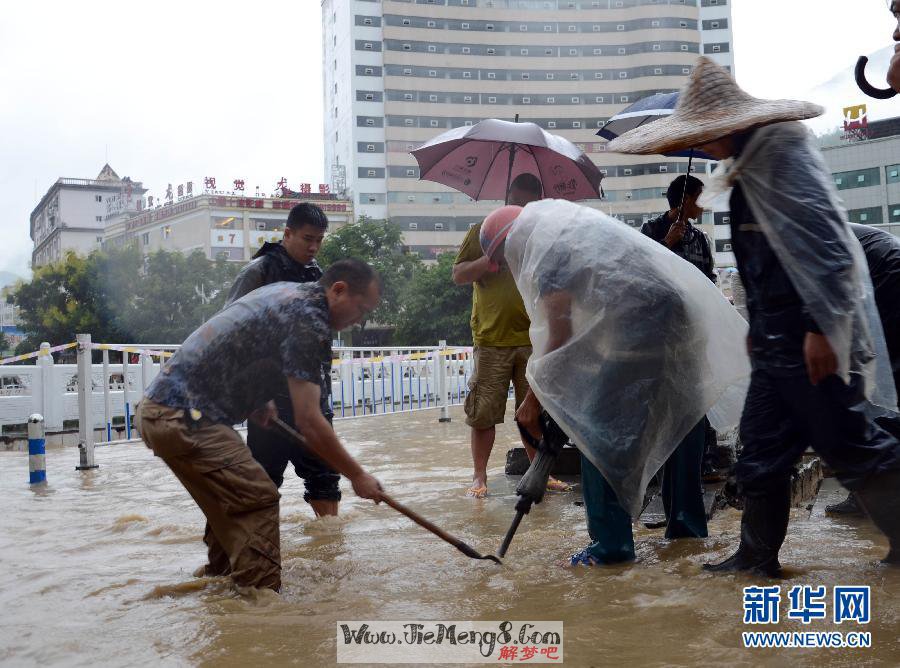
x=466, y=549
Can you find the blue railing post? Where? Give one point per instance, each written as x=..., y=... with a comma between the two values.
x=37, y=460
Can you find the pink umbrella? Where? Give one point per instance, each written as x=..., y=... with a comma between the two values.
x=482, y=160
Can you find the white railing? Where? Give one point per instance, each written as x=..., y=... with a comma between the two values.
x=364, y=381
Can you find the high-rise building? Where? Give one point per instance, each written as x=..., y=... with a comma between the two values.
x=399, y=72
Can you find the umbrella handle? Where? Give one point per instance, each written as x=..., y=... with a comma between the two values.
x=867, y=88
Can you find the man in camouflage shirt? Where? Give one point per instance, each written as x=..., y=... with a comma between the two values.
x=228, y=370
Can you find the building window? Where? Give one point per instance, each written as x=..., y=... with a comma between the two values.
x=367, y=22
x=573, y=29
x=438, y=226
x=467, y=98
x=492, y=100
x=407, y=96
x=525, y=76
x=431, y=24
x=596, y=28
x=372, y=199
x=683, y=24
x=548, y=28
x=548, y=52
x=861, y=178
x=370, y=148
x=145, y=237
x=716, y=48
x=598, y=52
x=410, y=172
x=621, y=52
x=407, y=47
x=98, y=198
x=654, y=24
x=663, y=169
x=371, y=172
x=551, y=124
x=405, y=22
x=369, y=70
x=466, y=50
x=432, y=98
x=623, y=98
x=367, y=46
x=714, y=24
x=598, y=75
x=99, y=219
x=576, y=100
x=526, y=100
x=551, y=100
x=550, y=76
x=467, y=75
x=863, y=217
x=573, y=52
x=433, y=123
x=369, y=97
x=432, y=48
x=413, y=226
x=523, y=52
x=491, y=51
x=489, y=26
x=685, y=70
x=626, y=171
x=599, y=99
x=657, y=47
x=491, y=75
x=370, y=121
x=623, y=75
x=657, y=70
x=573, y=75
x=523, y=28
x=684, y=47
x=620, y=27
x=465, y=26
x=408, y=121
x=432, y=73
x=576, y=124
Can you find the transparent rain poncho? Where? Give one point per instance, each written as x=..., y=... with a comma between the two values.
x=653, y=344
x=792, y=197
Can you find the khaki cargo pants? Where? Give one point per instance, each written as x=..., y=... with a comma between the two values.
x=237, y=496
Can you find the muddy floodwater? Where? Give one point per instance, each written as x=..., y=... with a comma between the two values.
x=96, y=568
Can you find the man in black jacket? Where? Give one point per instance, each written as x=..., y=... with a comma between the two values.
x=673, y=229
x=882, y=251
x=294, y=260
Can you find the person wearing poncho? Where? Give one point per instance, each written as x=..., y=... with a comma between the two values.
x=632, y=347
x=818, y=353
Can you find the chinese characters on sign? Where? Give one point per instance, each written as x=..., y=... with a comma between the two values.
x=807, y=603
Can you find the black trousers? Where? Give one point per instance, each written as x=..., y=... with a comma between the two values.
x=784, y=415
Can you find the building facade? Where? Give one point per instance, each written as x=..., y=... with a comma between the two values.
x=221, y=226
x=74, y=213
x=399, y=72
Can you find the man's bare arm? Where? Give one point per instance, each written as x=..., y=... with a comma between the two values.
x=472, y=271
x=321, y=439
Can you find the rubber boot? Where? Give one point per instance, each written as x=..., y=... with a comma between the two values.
x=880, y=498
x=763, y=528
x=847, y=507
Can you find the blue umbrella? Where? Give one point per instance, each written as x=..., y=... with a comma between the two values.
x=644, y=111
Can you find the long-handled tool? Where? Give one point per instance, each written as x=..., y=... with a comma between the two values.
x=466, y=549
x=859, y=74
x=533, y=485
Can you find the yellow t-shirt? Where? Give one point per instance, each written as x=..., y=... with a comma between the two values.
x=498, y=313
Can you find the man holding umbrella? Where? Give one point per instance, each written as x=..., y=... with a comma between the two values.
x=500, y=334
x=518, y=163
x=816, y=344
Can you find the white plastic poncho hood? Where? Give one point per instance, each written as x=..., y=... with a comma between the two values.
x=791, y=195
x=654, y=345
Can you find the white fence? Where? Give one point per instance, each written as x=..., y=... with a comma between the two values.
x=365, y=381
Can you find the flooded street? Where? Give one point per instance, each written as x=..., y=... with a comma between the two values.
x=97, y=567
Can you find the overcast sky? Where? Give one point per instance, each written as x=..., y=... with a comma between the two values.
x=169, y=92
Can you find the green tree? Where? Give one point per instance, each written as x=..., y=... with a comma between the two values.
x=4, y=343
x=120, y=297
x=434, y=307
x=380, y=243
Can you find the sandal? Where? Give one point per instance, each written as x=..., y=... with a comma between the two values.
x=477, y=492
x=554, y=485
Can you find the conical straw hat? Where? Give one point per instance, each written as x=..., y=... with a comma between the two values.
x=711, y=106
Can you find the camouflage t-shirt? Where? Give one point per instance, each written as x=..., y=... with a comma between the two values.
x=231, y=365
